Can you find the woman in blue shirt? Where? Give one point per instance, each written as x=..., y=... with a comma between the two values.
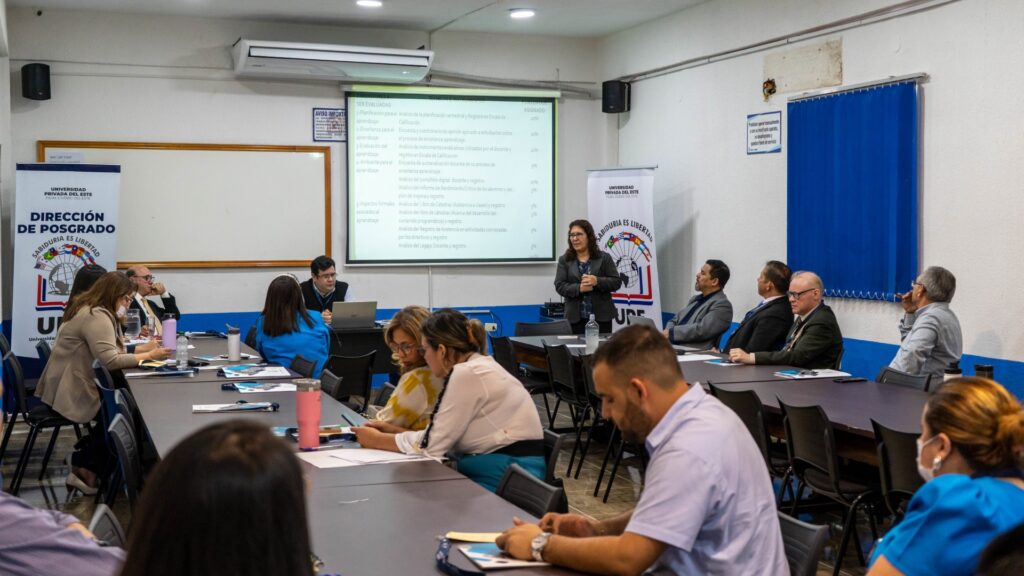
x=285, y=329
x=969, y=453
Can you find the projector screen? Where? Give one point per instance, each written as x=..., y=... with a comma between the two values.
x=439, y=176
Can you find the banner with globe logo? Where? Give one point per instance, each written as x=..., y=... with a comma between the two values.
x=620, y=206
x=65, y=217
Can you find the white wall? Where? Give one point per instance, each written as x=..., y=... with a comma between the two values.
x=167, y=79
x=714, y=201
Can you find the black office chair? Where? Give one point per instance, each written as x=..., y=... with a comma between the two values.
x=304, y=367
x=839, y=360
x=505, y=356
x=127, y=450
x=897, y=467
x=106, y=528
x=39, y=417
x=810, y=439
x=804, y=544
x=250, y=337
x=528, y=492
x=5, y=345
x=568, y=388
x=594, y=400
x=747, y=405
x=384, y=394
x=356, y=373
x=892, y=376
x=43, y=350
x=553, y=328
x=329, y=383
x=552, y=449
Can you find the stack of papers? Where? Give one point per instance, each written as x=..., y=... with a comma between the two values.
x=356, y=457
x=253, y=387
x=696, y=357
x=806, y=374
x=254, y=371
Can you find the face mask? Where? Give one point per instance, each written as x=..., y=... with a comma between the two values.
x=927, y=473
x=122, y=312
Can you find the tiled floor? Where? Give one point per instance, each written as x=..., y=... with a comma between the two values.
x=50, y=492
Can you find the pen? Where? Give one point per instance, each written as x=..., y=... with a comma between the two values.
x=346, y=418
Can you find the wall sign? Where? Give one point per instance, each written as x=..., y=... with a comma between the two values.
x=328, y=124
x=764, y=133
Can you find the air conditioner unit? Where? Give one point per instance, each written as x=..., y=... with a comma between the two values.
x=329, y=62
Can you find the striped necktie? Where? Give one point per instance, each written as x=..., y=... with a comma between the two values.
x=797, y=326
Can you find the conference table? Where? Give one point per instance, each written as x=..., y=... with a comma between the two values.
x=375, y=519
x=849, y=406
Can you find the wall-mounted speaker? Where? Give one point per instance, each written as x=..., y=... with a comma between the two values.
x=35, y=81
x=615, y=97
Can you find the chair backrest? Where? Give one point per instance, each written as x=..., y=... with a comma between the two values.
x=16, y=376
x=43, y=350
x=587, y=373
x=562, y=375
x=892, y=376
x=504, y=355
x=5, y=345
x=803, y=543
x=105, y=526
x=897, y=466
x=811, y=443
x=552, y=448
x=250, y=337
x=747, y=405
x=329, y=383
x=555, y=328
x=838, y=365
x=303, y=367
x=127, y=449
x=125, y=404
x=528, y=492
x=384, y=394
x=356, y=374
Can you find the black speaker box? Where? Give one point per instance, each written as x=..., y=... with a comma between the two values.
x=35, y=81
x=615, y=97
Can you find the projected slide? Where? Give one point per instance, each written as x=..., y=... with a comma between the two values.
x=450, y=178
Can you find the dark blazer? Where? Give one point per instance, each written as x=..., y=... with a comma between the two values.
x=819, y=344
x=169, y=307
x=567, y=284
x=312, y=298
x=765, y=330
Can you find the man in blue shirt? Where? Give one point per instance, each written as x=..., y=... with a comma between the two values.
x=929, y=331
x=707, y=507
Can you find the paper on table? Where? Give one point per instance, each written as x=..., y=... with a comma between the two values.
x=806, y=374
x=324, y=460
x=695, y=357
x=473, y=536
x=723, y=362
x=370, y=456
x=253, y=387
x=570, y=337
x=575, y=345
x=488, y=555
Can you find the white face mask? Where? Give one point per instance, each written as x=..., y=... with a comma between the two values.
x=122, y=312
x=927, y=473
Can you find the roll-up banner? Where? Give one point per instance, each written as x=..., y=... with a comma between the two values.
x=65, y=217
x=620, y=204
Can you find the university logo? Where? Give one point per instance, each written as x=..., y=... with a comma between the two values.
x=56, y=267
x=633, y=259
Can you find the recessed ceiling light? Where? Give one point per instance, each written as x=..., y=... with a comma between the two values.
x=369, y=3
x=520, y=13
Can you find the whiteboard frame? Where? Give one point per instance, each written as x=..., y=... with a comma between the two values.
x=43, y=145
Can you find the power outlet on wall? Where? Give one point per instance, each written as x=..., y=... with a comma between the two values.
x=491, y=327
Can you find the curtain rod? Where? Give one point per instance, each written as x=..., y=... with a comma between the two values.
x=919, y=77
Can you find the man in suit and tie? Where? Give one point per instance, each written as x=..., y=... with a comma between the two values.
x=814, y=341
x=145, y=286
x=707, y=315
x=764, y=328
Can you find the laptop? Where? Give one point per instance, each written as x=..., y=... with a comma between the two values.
x=353, y=314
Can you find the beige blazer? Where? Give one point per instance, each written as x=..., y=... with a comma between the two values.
x=66, y=384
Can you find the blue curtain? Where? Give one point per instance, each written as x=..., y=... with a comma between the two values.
x=852, y=190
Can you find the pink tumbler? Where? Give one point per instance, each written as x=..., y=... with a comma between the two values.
x=307, y=412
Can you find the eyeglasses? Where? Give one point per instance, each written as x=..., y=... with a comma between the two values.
x=327, y=276
x=149, y=278
x=405, y=348
x=915, y=283
x=797, y=295
x=128, y=297
x=444, y=565
x=576, y=235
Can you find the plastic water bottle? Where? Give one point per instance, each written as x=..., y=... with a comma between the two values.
x=591, y=333
x=182, y=355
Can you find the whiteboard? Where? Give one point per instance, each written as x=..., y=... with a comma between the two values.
x=214, y=205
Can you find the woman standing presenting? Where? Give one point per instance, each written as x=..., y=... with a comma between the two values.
x=586, y=278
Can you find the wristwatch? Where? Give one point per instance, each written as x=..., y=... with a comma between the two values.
x=537, y=545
